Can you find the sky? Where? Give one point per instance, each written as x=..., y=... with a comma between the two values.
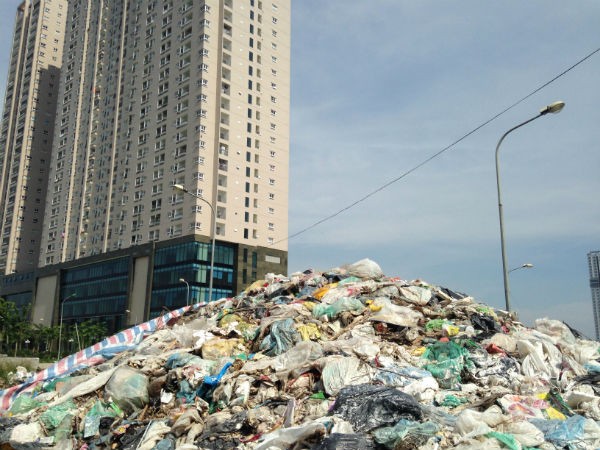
x=380, y=87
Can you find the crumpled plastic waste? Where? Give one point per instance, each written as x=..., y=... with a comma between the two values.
x=342, y=359
x=368, y=407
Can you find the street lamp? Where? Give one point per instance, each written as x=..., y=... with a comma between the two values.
x=62, y=309
x=179, y=187
x=552, y=108
x=522, y=266
x=187, y=296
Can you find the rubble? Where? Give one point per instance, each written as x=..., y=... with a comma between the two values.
x=343, y=359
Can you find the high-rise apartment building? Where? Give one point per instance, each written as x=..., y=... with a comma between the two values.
x=594, y=267
x=152, y=94
x=156, y=93
x=27, y=130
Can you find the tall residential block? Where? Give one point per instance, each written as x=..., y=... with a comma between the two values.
x=28, y=129
x=152, y=94
x=594, y=267
x=156, y=93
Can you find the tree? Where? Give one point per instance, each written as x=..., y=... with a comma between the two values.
x=13, y=328
x=91, y=332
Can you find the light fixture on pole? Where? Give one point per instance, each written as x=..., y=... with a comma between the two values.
x=552, y=108
x=179, y=187
x=136, y=318
x=187, y=295
x=62, y=310
x=522, y=266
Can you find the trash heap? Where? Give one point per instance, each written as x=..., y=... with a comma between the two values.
x=344, y=359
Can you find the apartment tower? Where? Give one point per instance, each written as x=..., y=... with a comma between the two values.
x=156, y=93
x=28, y=128
x=150, y=94
x=594, y=267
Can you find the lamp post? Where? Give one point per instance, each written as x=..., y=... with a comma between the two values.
x=552, y=108
x=187, y=295
x=62, y=309
x=179, y=187
x=522, y=266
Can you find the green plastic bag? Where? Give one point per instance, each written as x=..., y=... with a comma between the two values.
x=451, y=401
x=507, y=440
x=52, y=417
x=91, y=423
x=436, y=324
x=339, y=306
x=408, y=432
x=447, y=362
x=24, y=403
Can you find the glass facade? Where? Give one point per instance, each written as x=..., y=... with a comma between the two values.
x=96, y=292
x=190, y=261
x=22, y=300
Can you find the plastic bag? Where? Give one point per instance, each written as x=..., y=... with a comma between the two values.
x=365, y=268
x=340, y=372
x=309, y=331
x=438, y=415
x=368, y=407
x=448, y=360
x=451, y=401
x=153, y=434
x=415, y=294
x=471, y=423
x=341, y=441
x=128, y=388
x=406, y=434
x=296, y=360
x=556, y=329
x=402, y=316
x=527, y=434
x=91, y=422
x=337, y=307
x=219, y=348
x=436, y=324
x=563, y=432
x=52, y=417
x=287, y=437
x=281, y=338
x=24, y=403
x=182, y=360
x=486, y=324
x=25, y=433
x=507, y=440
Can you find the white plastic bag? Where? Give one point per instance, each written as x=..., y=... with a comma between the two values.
x=365, y=268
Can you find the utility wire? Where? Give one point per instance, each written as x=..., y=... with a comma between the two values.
x=435, y=155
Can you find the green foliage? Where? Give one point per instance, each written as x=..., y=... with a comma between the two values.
x=20, y=337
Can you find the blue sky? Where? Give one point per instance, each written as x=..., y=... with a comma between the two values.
x=380, y=86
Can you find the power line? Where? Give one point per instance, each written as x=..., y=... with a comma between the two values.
x=435, y=155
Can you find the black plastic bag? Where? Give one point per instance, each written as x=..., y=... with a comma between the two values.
x=368, y=407
x=486, y=324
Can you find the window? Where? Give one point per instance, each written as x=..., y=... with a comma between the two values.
x=156, y=204
x=158, y=174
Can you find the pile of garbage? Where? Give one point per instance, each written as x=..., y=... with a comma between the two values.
x=344, y=359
